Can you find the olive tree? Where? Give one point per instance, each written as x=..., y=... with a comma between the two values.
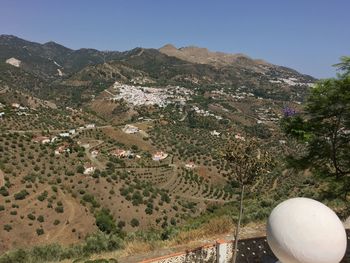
x=247, y=162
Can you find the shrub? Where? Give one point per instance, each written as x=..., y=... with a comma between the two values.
x=105, y=221
x=134, y=222
x=42, y=196
x=40, y=219
x=31, y=216
x=3, y=191
x=39, y=231
x=80, y=169
x=90, y=199
x=59, y=209
x=149, y=210
x=7, y=228
x=21, y=195
x=121, y=224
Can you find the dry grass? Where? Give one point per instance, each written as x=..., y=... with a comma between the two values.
x=215, y=227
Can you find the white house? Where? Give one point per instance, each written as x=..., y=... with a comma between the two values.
x=190, y=165
x=158, y=156
x=215, y=133
x=64, y=134
x=90, y=126
x=89, y=169
x=15, y=105
x=94, y=153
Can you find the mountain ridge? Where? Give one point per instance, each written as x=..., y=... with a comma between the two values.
x=50, y=69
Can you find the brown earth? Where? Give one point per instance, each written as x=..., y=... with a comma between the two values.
x=2, y=179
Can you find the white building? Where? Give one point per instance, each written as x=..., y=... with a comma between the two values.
x=190, y=165
x=215, y=133
x=94, y=153
x=89, y=169
x=90, y=126
x=158, y=156
x=15, y=105
x=64, y=134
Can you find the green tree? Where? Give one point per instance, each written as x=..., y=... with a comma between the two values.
x=324, y=128
x=105, y=221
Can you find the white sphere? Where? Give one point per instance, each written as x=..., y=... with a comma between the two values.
x=302, y=230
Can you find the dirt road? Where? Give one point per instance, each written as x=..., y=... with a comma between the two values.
x=2, y=178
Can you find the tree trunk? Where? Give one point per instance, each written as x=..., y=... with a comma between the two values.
x=238, y=225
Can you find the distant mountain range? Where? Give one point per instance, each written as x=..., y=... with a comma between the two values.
x=38, y=68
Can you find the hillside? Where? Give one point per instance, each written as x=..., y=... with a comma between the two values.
x=123, y=145
x=53, y=71
x=204, y=56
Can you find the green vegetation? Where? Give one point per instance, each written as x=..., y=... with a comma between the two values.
x=21, y=195
x=191, y=194
x=105, y=221
x=324, y=132
x=134, y=222
x=93, y=244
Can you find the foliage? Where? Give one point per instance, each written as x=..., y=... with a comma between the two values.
x=93, y=244
x=324, y=128
x=134, y=222
x=247, y=160
x=105, y=221
x=21, y=195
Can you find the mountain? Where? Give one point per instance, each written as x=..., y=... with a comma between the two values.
x=52, y=71
x=204, y=56
x=50, y=60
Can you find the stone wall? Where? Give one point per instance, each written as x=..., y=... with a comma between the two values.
x=219, y=252
x=249, y=250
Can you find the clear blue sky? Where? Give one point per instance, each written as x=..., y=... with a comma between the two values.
x=307, y=35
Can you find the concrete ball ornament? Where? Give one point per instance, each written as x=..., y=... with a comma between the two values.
x=302, y=230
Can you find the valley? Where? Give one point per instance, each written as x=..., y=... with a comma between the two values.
x=124, y=144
